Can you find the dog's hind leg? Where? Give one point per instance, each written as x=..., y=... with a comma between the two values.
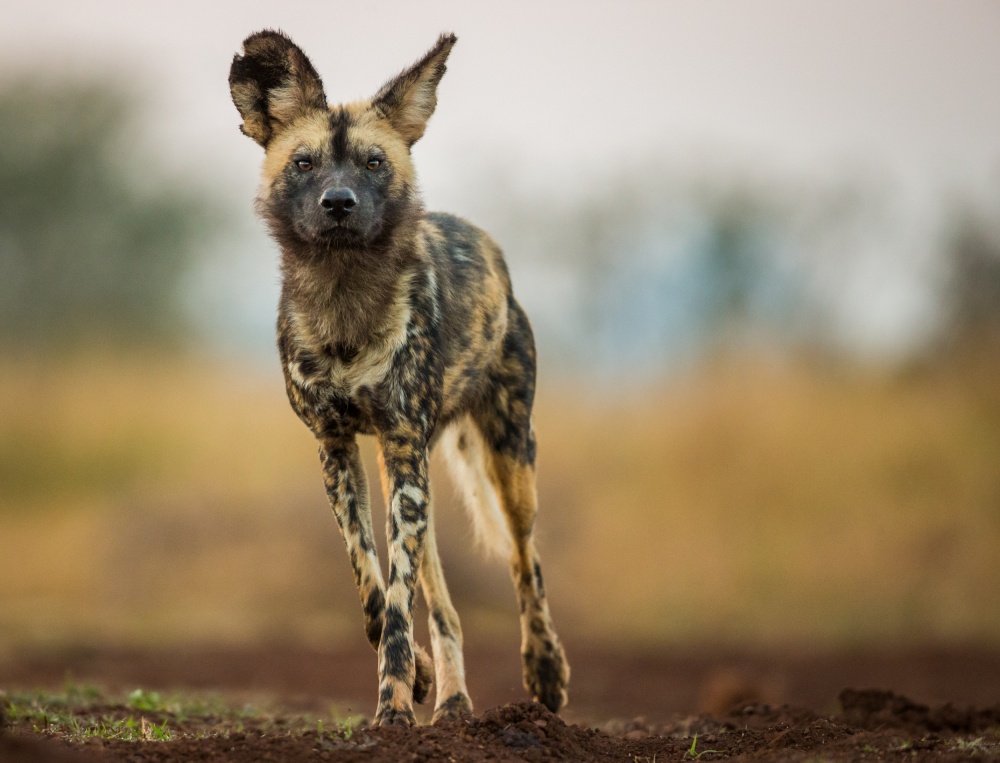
x=446, y=632
x=504, y=419
x=546, y=672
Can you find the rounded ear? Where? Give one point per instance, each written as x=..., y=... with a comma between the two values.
x=408, y=100
x=272, y=83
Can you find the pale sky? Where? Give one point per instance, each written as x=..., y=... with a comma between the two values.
x=561, y=95
x=570, y=87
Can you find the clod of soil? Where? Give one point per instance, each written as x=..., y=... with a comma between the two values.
x=875, y=709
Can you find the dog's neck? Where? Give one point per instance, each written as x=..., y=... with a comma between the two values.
x=345, y=296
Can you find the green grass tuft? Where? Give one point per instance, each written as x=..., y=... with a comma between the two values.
x=83, y=712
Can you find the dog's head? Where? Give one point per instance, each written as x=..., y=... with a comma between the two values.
x=333, y=177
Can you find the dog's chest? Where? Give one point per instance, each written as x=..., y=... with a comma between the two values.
x=323, y=368
x=325, y=360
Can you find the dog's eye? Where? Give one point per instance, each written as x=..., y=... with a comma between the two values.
x=304, y=164
x=374, y=164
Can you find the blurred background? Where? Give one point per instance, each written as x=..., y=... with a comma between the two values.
x=759, y=243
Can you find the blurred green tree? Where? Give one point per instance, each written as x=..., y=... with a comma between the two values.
x=94, y=240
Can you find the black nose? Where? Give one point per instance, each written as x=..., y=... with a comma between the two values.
x=338, y=201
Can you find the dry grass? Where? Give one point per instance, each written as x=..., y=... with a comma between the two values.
x=785, y=502
x=178, y=499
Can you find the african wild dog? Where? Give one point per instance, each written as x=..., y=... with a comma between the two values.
x=399, y=324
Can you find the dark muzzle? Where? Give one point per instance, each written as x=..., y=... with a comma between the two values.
x=338, y=202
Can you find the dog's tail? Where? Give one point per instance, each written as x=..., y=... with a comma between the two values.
x=465, y=452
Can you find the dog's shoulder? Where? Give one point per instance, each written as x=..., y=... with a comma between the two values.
x=466, y=258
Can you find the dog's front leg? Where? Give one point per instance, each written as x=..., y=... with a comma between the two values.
x=347, y=488
x=405, y=462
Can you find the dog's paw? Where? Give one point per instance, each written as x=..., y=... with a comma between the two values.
x=453, y=707
x=546, y=676
x=388, y=716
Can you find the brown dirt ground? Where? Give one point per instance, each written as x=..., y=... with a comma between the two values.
x=626, y=705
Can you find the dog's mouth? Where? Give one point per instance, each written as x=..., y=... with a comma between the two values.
x=339, y=231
